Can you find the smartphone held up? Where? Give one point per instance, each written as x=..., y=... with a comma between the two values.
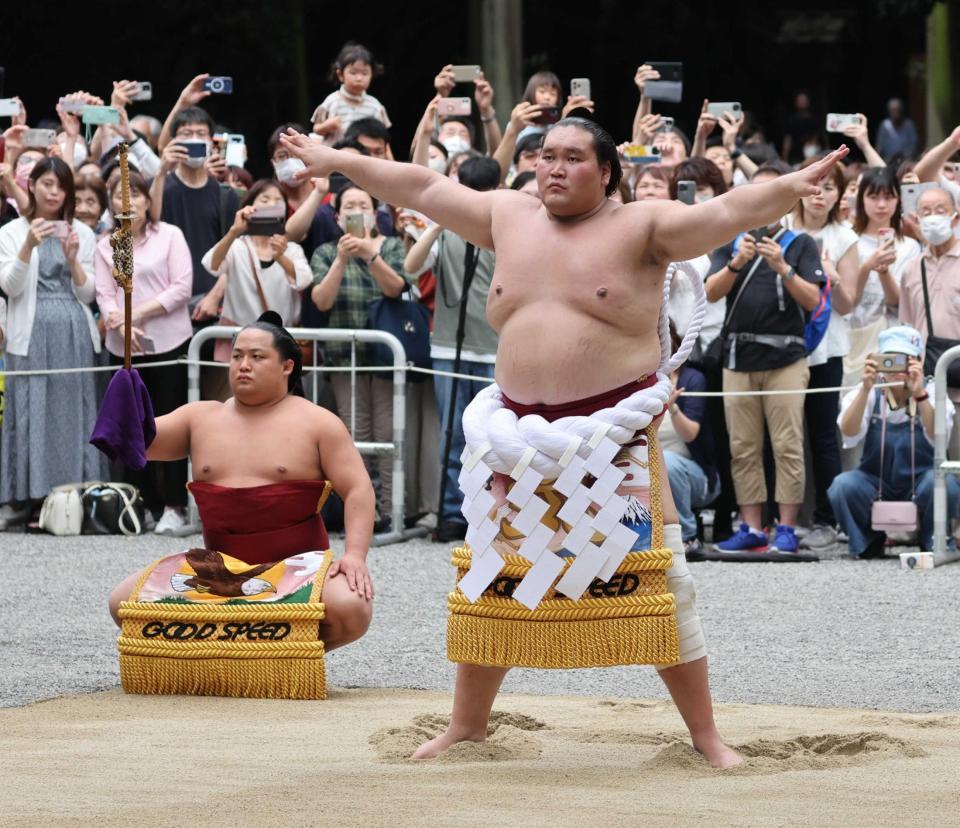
x=467, y=74
x=267, y=221
x=356, y=225
x=61, y=230
x=454, y=107
x=641, y=154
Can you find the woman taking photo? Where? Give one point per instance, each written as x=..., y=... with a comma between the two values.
x=160, y=332
x=819, y=216
x=350, y=273
x=256, y=273
x=46, y=271
x=884, y=253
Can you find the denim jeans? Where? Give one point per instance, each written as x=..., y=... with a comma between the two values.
x=852, y=495
x=466, y=391
x=691, y=490
x=821, y=412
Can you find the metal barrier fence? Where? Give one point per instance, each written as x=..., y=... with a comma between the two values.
x=395, y=447
x=942, y=466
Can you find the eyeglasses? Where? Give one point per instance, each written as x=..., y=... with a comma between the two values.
x=939, y=210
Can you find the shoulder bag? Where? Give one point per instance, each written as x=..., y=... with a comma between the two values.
x=895, y=515
x=408, y=321
x=112, y=509
x=712, y=358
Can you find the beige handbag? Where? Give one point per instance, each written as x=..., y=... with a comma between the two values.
x=62, y=510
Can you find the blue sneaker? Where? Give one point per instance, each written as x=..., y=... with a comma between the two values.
x=784, y=540
x=744, y=541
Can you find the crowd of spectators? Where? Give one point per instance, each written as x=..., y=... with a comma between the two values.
x=806, y=304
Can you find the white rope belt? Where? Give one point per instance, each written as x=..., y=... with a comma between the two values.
x=530, y=450
x=506, y=439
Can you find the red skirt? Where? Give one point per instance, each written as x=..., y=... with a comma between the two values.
x=259, y=524
x=580, y=408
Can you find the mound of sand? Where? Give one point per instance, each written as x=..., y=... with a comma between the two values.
x=112, y=759
x=508, y=738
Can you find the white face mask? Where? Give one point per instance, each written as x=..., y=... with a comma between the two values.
x=438, y=165
x=937, y=229
x=455, y=144
x=368, y=220
x=287, y=169
x=810, y=150
x=699, y=198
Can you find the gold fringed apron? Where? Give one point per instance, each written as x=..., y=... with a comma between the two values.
x=204, y=623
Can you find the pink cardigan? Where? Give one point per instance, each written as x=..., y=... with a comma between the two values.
x=162, y=270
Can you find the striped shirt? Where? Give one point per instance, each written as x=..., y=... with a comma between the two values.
x=348, y=108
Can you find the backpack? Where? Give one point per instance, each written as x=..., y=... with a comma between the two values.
x=818, y=319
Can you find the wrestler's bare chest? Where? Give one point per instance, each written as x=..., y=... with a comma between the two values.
x=233, y=449
x=576, y=307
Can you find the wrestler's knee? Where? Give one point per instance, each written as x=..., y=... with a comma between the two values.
x=121, y=592
x=348, y=615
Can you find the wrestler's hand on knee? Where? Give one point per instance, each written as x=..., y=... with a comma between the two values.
x=354, y=569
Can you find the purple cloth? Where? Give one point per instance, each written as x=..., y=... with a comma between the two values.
x=125, y=426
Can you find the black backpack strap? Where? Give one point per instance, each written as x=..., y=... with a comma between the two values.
x=926, y=294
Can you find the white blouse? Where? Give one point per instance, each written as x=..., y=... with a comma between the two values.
x=872, y=304
x=241, y=301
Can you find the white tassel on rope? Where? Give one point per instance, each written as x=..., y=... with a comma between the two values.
x=506, y=438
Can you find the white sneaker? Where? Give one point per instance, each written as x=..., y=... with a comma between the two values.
x=428, y=521
x=10, y=516
x=170, y=523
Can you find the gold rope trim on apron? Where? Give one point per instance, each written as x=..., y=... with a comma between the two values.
x=628, y=619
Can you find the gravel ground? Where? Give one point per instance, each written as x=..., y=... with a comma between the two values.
x=835, y=634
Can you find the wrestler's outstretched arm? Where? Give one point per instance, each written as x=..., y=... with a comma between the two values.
x=173, y=433
x=679, y=232
x=343, y=467
x=464, y=211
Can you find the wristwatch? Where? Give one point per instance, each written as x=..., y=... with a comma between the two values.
x=730, y=266
x=373, y=258
x=790, y=274
x=487, y=120
x=735, y=155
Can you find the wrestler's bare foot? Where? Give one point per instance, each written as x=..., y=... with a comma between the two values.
x=437, y=745
x=716, y=752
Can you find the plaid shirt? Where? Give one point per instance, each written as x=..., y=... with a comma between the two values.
x=357, y=290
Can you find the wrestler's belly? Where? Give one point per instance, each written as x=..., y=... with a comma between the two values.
x=550, y=353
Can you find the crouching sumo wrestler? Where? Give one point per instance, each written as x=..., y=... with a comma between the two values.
x=243, y=616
